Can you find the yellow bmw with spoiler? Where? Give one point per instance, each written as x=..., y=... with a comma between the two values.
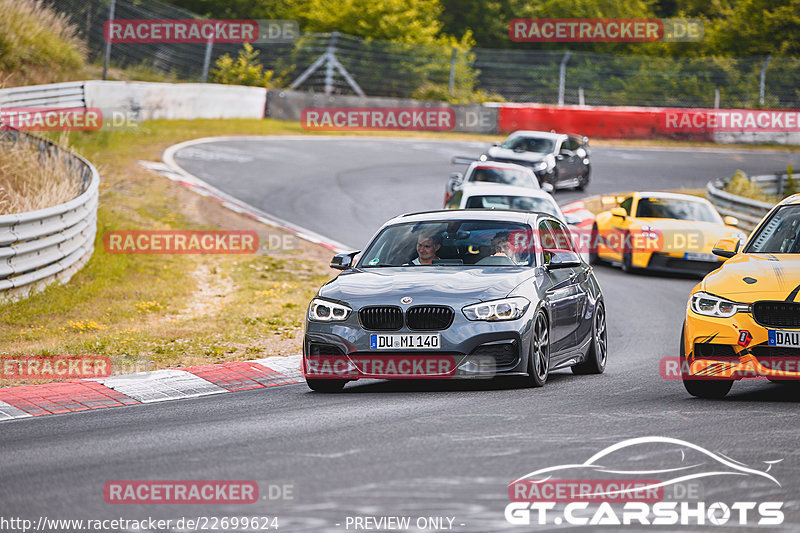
x=743, y=319
x=661, y=231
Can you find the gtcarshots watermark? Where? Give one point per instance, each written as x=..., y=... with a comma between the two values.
x=378, y=118
x=181, y=242
x=658, y=486
x=584, y=30
x=200, y=31
x=732, y=120
x=54, y=367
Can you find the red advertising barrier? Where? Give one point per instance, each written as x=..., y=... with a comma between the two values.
x=601, y=122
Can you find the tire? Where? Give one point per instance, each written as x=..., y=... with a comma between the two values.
x=711, y=389
x=595, y=362
x=539, y=358
x=627, y=257
x=583, y=180
x=326, y=385
x=594, y=259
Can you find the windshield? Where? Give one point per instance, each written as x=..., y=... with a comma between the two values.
x=522, y=203
x=529, y=144
x=506, y=176
x=781, y=235
x=678, y=209
x=447, y=244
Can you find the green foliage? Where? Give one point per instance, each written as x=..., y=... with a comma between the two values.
x=244, y=70
x=740, y=185
x=439, y=93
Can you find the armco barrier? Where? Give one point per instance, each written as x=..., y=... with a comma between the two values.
x=143, y=100
x=748, y=211
x=605, y=122
x=69, y=94
x=40, y=247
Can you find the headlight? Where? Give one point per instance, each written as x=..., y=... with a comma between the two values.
x=706, y=304
x=540, y=166
x=505, y=309
x=325, y=311
x=483, y=157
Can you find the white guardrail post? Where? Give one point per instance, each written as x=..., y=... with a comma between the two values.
x=48, y=245
x=748, y=211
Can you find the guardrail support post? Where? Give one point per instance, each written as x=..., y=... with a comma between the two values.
x=207, y=59
x=452, y=82
x=108, y=43
x=762, y=88
x=562, y=77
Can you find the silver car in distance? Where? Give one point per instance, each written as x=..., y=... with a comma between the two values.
x=457, y=294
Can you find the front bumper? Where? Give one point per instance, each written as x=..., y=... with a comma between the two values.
x=734, y=348
x=674, y=262
x=468, y=350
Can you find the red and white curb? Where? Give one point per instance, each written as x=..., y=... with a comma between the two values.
x=147, y=387
x=578, y=208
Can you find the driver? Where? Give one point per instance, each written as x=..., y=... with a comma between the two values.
x=427, y=248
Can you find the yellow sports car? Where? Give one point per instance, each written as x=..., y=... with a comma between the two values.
x=661, y=231
x=743, y=320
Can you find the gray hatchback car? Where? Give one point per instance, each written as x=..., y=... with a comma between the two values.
x=457, y=294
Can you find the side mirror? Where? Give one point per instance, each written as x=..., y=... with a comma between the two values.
x=727, y=247
x=731, y=221
x=343, y=261
x=561, y=259
x=572, y=219
x=455, y=180
x=619, y=212
x=495, y=144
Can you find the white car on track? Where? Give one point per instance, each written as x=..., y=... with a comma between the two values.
x=478, y=195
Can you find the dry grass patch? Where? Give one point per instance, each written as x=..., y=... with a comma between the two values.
x=32, y=179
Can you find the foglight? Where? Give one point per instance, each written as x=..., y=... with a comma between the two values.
x=706, y=304
x=505, y=309
x=326, y=311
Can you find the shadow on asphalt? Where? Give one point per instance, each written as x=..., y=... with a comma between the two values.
x=779, y=392
x=451, y=385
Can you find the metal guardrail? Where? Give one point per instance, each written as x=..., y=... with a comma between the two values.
x=748, y=211
x=69, y=94
x=47, y=245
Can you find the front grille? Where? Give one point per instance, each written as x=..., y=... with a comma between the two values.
x=381, y=318
x=762, y=352
x=777, y=314
x=429, y=317
x=684, y=265
x=504, y=354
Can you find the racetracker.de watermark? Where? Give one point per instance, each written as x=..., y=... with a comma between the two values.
x=388, y=366
x=180, y=242
x=200, y=31
x=732, y=120
x=584, y=30
x=66, y=119
x=181, y=492
x=378, y=118
x=54, y=367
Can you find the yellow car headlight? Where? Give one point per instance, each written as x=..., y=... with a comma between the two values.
x=707, y=304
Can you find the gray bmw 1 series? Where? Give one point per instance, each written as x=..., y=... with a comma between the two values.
x=457, y=294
